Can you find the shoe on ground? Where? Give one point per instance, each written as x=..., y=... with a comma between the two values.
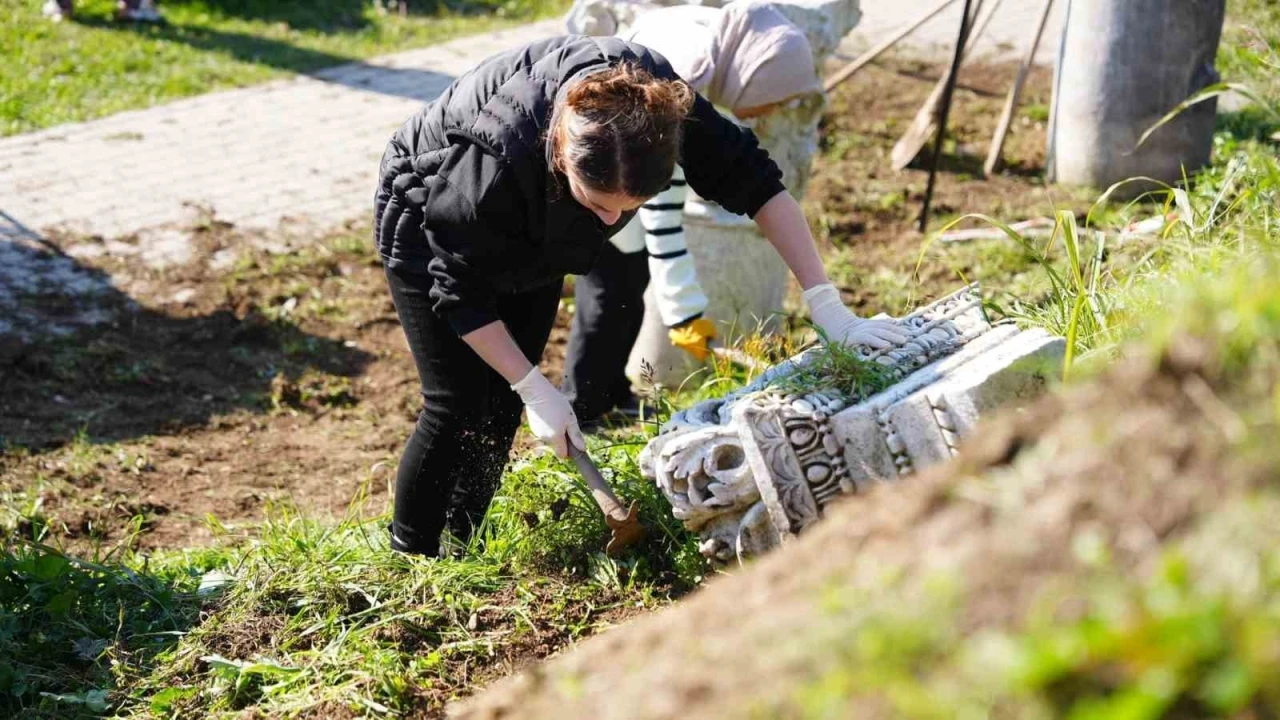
x=401, y=546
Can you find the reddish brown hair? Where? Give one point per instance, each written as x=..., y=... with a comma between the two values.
x=618, y=130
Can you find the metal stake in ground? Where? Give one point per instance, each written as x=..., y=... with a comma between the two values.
x=942, y=116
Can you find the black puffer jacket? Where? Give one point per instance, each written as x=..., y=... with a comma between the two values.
x=466, y=192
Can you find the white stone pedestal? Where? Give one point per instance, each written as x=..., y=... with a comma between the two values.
x=745, y=280
x=749, y=471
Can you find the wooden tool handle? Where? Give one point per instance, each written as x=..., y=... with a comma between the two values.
x=600, y=490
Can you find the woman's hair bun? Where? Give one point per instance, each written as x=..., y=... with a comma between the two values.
x=619, y=130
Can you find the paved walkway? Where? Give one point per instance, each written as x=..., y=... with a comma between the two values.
x=1007, y=36
x=305, y=148
x=299, y=153
x=301, y=148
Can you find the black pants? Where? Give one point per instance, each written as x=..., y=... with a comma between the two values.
x=453, y=462
x=609, y=310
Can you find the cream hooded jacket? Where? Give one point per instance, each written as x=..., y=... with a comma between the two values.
x=742, y=56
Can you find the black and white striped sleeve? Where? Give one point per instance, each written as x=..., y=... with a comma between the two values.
x=673, y=277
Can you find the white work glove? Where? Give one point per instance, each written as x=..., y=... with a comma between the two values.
x=842, y=326
x=551, y=417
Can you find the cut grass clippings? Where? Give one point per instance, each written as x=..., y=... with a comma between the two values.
x=94, y=66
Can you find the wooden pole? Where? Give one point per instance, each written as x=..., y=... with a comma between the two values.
x=848, y=70
x=949, y=90
x=1011, y=102
x=917, y=135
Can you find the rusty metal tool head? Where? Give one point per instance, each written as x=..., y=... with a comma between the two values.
x=625, y=527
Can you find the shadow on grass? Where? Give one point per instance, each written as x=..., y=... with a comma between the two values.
x=77, y=355
x=421, y=85
x=326, y=16
x=1249, y=123
x=71, y=628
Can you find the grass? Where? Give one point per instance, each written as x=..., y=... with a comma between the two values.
x=69, y=628
x=1195, y=634
x=323, y=617
x=1176, y=642
x=837, y=367
x=309, y=616
x=1252, y=32
x=1098, y=291
x=1097, y=303
x=75, y=71
x=317, y=617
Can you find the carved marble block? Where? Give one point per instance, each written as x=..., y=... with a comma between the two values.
x=749, y=471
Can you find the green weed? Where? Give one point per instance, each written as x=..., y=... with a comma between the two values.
x=72, y=630
x=834, y=366
x=1036, y=112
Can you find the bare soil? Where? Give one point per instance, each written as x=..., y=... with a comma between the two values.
x=282, y=378
x=866, y=214
x=220, y=386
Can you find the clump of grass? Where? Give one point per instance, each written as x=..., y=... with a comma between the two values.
x=545, y=518
x=834, y=366
x=314, y=390
x=72, y=630
x=317, y=614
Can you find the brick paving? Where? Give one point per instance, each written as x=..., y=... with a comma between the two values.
x=304, y=148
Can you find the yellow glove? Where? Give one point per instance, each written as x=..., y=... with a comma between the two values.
x=693, y=337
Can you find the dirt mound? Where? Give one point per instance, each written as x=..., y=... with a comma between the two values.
x=866, y=615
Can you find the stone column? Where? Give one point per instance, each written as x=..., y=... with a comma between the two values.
x=744, y=278
x=1123, y=65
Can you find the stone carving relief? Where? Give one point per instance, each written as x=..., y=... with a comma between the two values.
x=753, y=469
